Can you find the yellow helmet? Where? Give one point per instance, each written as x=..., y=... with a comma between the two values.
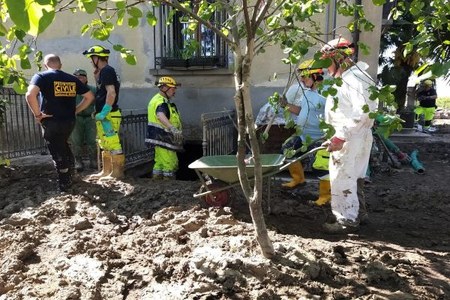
x=168, y=81
x=97, y=51
x=309, y=67
x=428, y=82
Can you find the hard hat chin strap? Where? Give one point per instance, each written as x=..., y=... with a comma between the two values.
x=95, y=64
x=337, y=65
x=164, y=91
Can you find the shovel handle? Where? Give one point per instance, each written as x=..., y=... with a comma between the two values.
x=302, y=156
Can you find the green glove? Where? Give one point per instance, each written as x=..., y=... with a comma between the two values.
x=105, y=111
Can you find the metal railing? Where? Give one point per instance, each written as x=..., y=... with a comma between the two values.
x=21, y=136
x=132, y=135
x=219, y=133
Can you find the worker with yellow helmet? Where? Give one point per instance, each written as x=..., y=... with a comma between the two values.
x=164, y=129
x=107, y=114
x=310, y=113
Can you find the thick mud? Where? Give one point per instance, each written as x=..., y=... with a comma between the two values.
x=145, y=239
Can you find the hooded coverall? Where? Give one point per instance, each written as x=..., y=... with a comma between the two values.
x=166, y=160
x=353, y=125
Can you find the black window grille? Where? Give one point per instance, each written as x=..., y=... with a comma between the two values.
x=212, y=51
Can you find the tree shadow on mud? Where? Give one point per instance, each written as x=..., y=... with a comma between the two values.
x=30, y=186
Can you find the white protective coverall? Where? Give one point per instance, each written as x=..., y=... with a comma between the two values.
x=353, y=125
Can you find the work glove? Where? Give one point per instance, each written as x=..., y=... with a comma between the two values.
x=403, y=158
x=105, y=111
x=177, y=135
x=107, y=128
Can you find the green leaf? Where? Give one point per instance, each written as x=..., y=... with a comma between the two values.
x=101, y=30
x=416, y=7
x=151, y=19
x=100, y=34
x=332, y=91
x=118, y=47
x=24, y=50
x=85, y=28
x=131, y=59
x=365, y=108
x=135, y=12
x=30, y=16
x=25, y=63
x=120, y=16
x=20, y=86
x=133, y=22
x=17, y=9
x=3, y=30
x=121, y=4
x=20, y=34
x=364, y=48
x=379, y=2
x=44, y=21
x=89, y=6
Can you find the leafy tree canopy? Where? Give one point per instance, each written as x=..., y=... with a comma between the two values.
x=431, y=20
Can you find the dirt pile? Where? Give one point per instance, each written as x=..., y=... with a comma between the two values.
x=144, y=239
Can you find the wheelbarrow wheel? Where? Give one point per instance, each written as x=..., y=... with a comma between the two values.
x=217, y=199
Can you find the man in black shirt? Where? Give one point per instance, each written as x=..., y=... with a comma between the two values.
x=56, y=113
x=427, y=105
x=108, y=114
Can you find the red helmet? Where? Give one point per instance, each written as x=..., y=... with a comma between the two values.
x=339, y=45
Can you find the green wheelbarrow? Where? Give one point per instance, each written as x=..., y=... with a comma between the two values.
x=218, y=173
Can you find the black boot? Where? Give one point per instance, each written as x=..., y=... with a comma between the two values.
x=79, y=165
x=64, y=180
x=93, y=162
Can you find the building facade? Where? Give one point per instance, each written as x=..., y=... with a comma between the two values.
x=207, y=82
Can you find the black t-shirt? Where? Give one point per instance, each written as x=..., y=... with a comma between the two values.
x=164, y=108
x=58, y=93
x=107, y=76
x=427, y=102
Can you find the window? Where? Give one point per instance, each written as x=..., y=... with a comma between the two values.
x=212, y=51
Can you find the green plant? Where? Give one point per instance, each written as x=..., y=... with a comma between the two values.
x=443, y=102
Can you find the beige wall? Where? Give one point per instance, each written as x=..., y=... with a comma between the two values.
x=201, y=92
x=372, y=39
x=63, y=38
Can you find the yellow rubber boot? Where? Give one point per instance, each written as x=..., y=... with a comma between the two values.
x=297, y=174
x=106, y=166
x=324, y=193
x=118, y=166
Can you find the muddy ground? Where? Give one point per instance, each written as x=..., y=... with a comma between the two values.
x=145, y=239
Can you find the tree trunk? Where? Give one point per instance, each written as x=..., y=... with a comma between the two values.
x=246, y=128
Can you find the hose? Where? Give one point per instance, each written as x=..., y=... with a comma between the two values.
x=415, y=163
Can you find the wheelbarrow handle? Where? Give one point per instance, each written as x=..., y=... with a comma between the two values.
x=302, y=157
